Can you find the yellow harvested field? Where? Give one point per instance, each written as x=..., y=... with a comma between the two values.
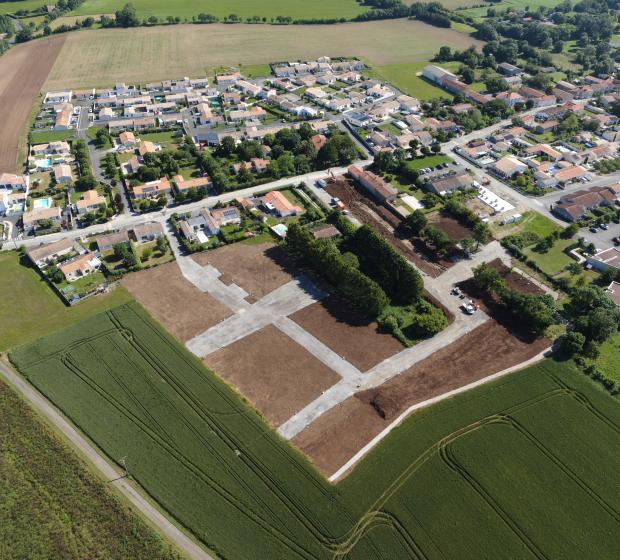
x=104, y=57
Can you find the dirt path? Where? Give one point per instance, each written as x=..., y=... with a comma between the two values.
x=108, y=472
x=23, y=70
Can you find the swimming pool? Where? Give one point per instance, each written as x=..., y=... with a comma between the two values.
x=44, y=163
x=42, y=203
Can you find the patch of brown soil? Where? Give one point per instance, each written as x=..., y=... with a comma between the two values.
x=449, y=225
x=347, y=333
x=174, y=301
x=272, y=371
x=367, y=211
x=258, y=269
x=515, y=280
x=23, y=70
x=338, y=434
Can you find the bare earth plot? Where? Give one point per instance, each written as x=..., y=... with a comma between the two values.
x=22, y=73
x=275, y=373
x=258, y=269
x=105, y=57
x=182, y=308
x=338, y=434
x=347, y=333
x=450, y=226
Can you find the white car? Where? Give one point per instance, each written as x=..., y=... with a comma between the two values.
x=468, y=308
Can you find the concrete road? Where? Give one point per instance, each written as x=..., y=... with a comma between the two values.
x=107, y=470
x=128, y=221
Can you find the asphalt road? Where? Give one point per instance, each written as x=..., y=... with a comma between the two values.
x=107, y=470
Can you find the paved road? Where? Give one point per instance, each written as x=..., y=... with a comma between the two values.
x=132, y=220
x=107, y=470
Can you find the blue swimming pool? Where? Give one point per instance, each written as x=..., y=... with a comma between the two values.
x=42, y=203
x=44, y=163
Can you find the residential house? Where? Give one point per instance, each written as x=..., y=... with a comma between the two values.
x=12, y=202
x=11, y=182
x=127, y=139
x=511, y=98
x=276, y=203
x=62, y=173
x=152, y=189
x=107, y=241
x=80, y=266
x=613, y=291
x=544, y=150
x=408, y=103
x=33, y=218
x=184, y=185
x=609, y=258
x=147, y=147
x=379, y=188
x=575, y=206
x=508, y=167
x=147, y=232
x=44, y=254
x=90, y=201
x=509, y=69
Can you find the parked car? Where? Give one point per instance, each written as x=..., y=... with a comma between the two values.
x=468, y=308
x=604, y=227
x=616, y=240
x=593, y=229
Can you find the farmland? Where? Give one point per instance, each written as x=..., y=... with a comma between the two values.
x=191, y=441
x=34, y=310
x=104, y=57
x=44, y=485
x=22, y=73
x=185, y=9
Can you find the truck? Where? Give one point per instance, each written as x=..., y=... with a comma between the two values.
x=321, y=183
x=511, y=219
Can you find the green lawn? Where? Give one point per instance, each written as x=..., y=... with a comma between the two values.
x=404, y=77
x=534, y=222
x=553, y=261
x=429, y=161
x=453, y=481
x=609, y=359
x=255, y=70
x=12, y=7
x=168, y=140
x=34, y=310
x=45, y=136
x=297, y=9
x=52, y=506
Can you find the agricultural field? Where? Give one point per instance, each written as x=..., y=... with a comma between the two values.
x=34, y=310
x=464, y=464
x=185, y=9
x=12, y=7
x=22, y=73
x=45, y=486
x=504, y=4
x=609, y=358
x=104, y=57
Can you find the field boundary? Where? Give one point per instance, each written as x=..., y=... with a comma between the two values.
x=399, y=420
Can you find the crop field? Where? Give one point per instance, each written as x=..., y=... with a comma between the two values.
x=22, y=73
x=185, y=9
x=106, y=56
x=34, y=310
x=44, y=485
x=525, y=467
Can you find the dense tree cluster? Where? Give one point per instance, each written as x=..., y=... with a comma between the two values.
x=323, y=257
x=537, y=312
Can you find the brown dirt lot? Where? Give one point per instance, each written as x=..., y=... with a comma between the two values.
x=174, y=301
x=515, y=280
x=258, y=269
x=368, y=212
x=23, y=70
x=331, y=440
x=348, y=334
x=275, y=373
x=449, y=225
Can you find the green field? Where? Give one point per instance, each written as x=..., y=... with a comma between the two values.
x=526, y=467
x=45, y=136
x=185, y=9
x=609, y=359
x=12, y=7
x=34, y=310
x=52, y=507
x=518, y=4
x=404, y=77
